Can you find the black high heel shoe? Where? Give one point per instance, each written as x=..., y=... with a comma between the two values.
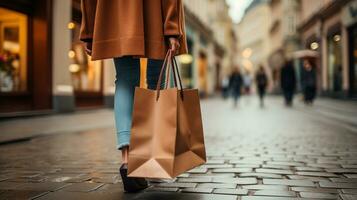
x=131, y=184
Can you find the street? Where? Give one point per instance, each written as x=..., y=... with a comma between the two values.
x=275, y=152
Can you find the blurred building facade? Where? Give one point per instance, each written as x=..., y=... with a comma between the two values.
x=283, y=34
x=44, y=68
x=330, y=28
x=271, y=31
x=253, y=36
x=211, y=41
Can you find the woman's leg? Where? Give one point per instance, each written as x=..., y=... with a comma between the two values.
x=127, y=77
x=153, y=73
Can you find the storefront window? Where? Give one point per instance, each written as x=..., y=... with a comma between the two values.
x=86, y=74
x=13, y=51
x=335, y=63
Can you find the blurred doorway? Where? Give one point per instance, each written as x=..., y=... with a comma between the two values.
x=353, y=60
x=86, y=75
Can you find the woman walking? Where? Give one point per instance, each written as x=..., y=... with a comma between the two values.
x=288, y=82
x=262, y=82
x=126, y=31
x=309, y=81
x=235, y=85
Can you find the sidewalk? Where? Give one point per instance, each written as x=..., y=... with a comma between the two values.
x=274, y=153
x=26, y=128
x=341, y=112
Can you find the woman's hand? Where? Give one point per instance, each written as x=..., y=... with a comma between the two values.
x=174, y=44
x=88, y=48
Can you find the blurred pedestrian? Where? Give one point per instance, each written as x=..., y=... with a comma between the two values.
x=261, y=80
x=288, y=82
x=337, y=79
x=309, y=81
x=126, y=31
x=225, y=87
x=235, y=84
x=247, y=82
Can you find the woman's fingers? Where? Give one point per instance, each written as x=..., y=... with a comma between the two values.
x=88, y=48
x=174, y=44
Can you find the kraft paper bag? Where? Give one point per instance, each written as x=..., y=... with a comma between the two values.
x=167, y=134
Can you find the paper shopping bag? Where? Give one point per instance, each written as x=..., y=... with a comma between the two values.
x=167, y=134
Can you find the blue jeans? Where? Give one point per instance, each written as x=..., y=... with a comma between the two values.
x=127, y=78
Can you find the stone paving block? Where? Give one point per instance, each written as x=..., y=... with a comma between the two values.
x=325, y=166
x=23, y=179
x=61, y=177
x=309, y=169
x=316, y=195
x=274, y=171
x=281, y=158
x=349, y=191
x=265, y=187
x=318, y=174
x=328, y=184
x=217, y=185
x=311, y=178
x=232, y=170
x=254, y=162
x=4, y=178
x=22, y=194
x=342, y=170
x=61, y=195
x=231, y=191
x=280, y=193
x=198, y=171
x=181, y=196
x=217, y=166
x=295, y=164
x=260, y=175
x=5, y=185
x=82, y=187
x=184, y=175
x=344, y=180
x=350, y=175
x=270, y=198
x=349, y=166
x=196, y=180
x=178, y=185
x=48, y=186
x=197, y=190
x=352, y=161
x=239, y=181
x=305, y=183
x=314, y=189
x=213, y=175
x=107, y=179
x=79, y=179
x=162, y=189
x=270, y=166
x=109, y=187
x=308, y=153
x=211, y=161
x=246, y=166
x=348, y=196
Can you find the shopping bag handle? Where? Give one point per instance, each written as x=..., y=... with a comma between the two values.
x=162, y=69
x=169, y=61
x=175, y=66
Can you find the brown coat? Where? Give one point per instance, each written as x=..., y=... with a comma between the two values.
x=132, y=27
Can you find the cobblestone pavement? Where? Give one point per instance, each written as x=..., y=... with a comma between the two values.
x=270, y=153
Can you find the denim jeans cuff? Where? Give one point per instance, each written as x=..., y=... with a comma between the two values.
x=123, y=139
x=121, y=146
